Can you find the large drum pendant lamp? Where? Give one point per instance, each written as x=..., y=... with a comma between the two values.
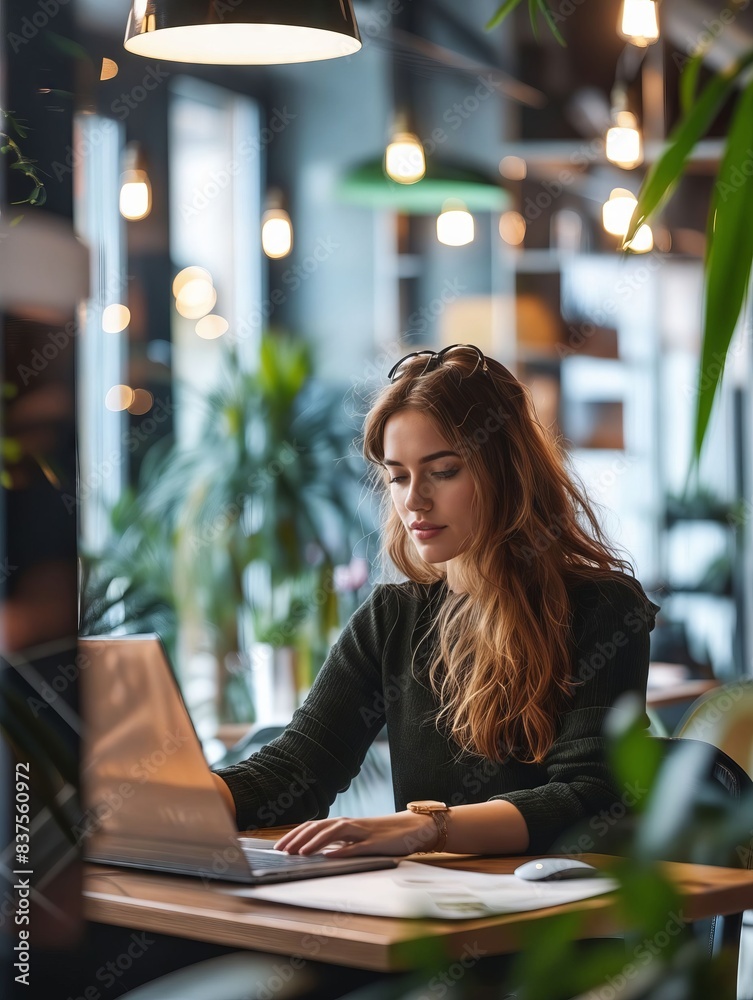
x=235, y=32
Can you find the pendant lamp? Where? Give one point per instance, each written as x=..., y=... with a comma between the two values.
x=236, y=32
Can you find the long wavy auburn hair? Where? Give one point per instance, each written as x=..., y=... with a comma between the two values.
x=502, y=668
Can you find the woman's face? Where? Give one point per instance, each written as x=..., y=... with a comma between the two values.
x=431, y=486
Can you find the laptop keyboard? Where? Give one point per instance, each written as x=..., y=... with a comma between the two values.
x=262, y=860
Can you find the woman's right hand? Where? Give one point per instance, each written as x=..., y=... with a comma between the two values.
x=227, y=795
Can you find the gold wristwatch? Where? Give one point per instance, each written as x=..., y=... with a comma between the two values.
x=438, y=812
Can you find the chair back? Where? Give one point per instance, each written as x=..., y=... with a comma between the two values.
x=725, y=774
x=723, y=717
x=723, y=770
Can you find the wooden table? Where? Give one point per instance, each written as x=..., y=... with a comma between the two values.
x=678, y=694
x=186, y=908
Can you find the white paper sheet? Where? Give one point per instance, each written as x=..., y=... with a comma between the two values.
x=420, y=890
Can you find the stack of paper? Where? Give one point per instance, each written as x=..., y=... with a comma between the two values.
x=421, y=890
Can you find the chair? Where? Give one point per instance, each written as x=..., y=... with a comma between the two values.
x=727, y=775
x=724, y=717
x=229, y=977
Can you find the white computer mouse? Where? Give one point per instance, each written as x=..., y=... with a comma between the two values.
x=555, y=869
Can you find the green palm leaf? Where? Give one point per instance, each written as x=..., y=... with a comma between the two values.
x=729, y=260
x=507, y=7
x=667, y=170
x=535, y=8
x=549, y=18
x=689, y=80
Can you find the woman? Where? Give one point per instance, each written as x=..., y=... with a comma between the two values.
x=494, y=666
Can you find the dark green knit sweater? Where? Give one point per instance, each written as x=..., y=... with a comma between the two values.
x=367, y=681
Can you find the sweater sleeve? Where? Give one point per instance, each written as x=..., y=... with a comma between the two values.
x=297, y=776
x=611, y=626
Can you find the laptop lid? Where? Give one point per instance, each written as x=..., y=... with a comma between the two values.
x=149, y=797
x=150, y=800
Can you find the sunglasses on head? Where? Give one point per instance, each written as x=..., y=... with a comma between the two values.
x=436, y=358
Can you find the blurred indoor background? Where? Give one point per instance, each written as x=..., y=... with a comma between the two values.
x=210, y=268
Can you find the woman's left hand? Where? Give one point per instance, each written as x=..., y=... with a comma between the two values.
x=400, y=833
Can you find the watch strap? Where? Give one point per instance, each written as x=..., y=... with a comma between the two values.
x=438, y=812
x=440, y=818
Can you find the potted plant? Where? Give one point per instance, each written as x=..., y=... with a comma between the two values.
x=260, y=513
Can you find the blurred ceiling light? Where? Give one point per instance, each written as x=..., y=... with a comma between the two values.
x=639, y=23
x=190, y=274
x=512, y=228
x=404, y=159
x=135, y=189
x=115, y=318
x=119, y=397
x=108, y=70
x=642, y=242
x=250, y=32
x=141, y=402
x=455, y=225
x=624, y=144
x=618, y=211
x=212, y=326
x=196, y=298
x=276, y=233
x=514, y=168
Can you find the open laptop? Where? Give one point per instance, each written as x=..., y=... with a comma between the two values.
x=149, y=798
